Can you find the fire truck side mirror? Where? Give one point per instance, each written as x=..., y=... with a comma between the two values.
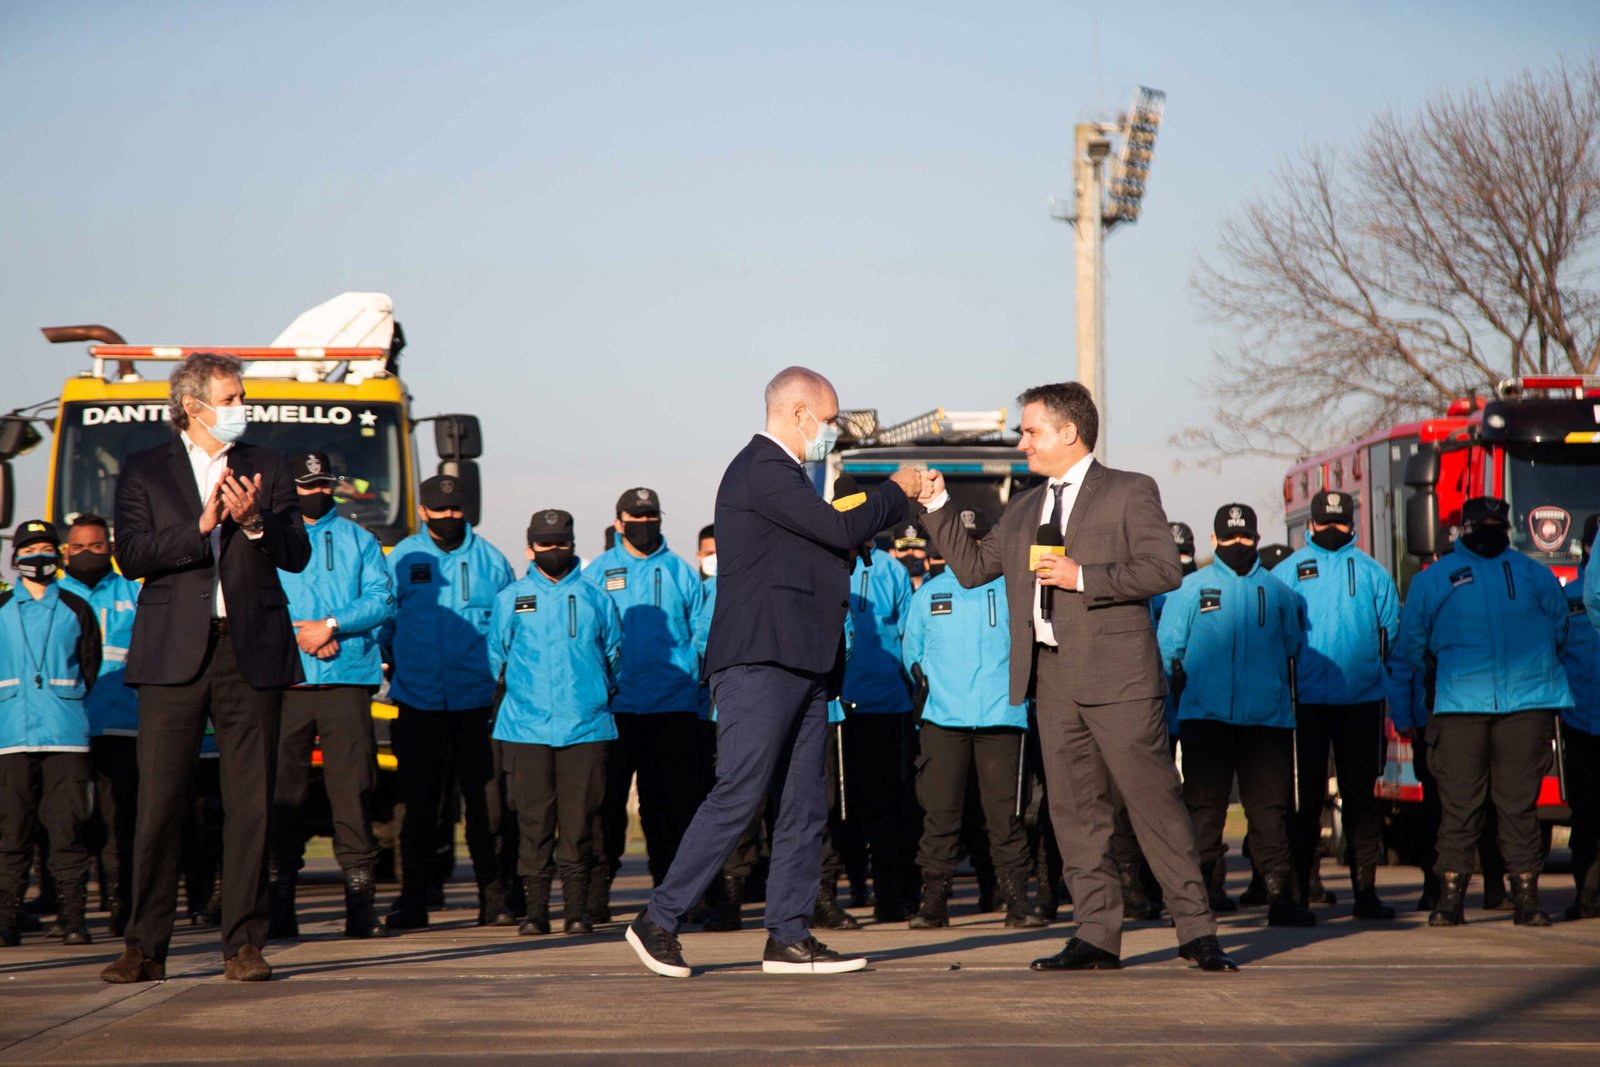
x=1422, y=469
x=17, y=436
x=1422, y=523
x=457, y=437
x=7, y=495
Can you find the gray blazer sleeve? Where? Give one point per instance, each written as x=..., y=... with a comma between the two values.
x=1153, y=566
x=974, y=563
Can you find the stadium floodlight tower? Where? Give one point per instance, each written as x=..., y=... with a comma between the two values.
x=1095, y=212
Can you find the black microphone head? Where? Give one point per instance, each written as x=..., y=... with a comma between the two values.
x=845, y=485
x=1049, y=534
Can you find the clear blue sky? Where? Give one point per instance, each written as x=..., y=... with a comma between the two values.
x=604, y=226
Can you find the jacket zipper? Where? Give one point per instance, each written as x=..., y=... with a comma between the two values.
x=1351, y=564
x=1261, y=606
x=466, y=583
x=992, y=619
x=1511, y=586
x=572, y=615
x=327, y=542
x=658, y=588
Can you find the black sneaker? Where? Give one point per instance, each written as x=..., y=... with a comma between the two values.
x=658, y=949
x=807, y=957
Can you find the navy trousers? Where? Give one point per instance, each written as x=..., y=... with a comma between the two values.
x=771, y=727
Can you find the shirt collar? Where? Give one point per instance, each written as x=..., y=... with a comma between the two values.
x=781, y=445
x=192, y=448
x=1075, y=473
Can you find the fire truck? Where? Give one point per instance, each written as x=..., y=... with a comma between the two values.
x=1535, y=444
x=330, y=382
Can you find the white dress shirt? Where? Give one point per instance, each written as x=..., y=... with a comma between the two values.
x=208, y=471
x=1043, y=631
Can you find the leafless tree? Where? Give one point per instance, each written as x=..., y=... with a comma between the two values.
x=1444, y=252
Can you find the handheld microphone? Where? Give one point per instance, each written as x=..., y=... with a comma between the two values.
x=1047, y=542
x=847, y=496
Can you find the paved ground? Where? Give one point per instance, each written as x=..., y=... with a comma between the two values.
x=1341, y=993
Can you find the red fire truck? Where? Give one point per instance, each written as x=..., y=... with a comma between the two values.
x=1535, y=444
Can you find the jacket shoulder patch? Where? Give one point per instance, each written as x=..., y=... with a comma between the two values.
x=526, y=604
x=1461, y=577
x=942, y=604
x=616, y=579
x=1210, y=600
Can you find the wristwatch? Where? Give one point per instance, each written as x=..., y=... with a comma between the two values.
x=254, y=526
x=332, y=624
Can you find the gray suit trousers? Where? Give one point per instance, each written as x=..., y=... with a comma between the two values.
x=1088, y=749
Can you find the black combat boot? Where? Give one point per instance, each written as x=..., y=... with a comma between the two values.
x=933, y=911
x=74, y=902
x=887, y=907
x=537, y=920
x=360, y=913
x=1255, y=894
x=1282, y=908
x=1318, y=893
x=600, y=895
x=1136, y=904
x=828, y=914
x=1364, y=881
x=410, y=911
x=10, y=919
x=1450, y=910
x=727, y=915
x=1215, y=876
x=282, y=922
x=575, y=903
x=1525, y=899
x=1587, y=905
x=1430, y=892
x=116, y=912
x=1014, y=888
x=492, y=910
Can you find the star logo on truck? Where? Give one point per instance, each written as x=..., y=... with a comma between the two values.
x=368, y=418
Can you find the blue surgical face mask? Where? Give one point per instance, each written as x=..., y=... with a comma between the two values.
x=230, y=424
x=818, y=447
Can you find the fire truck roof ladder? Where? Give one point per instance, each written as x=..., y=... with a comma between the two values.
x=944, y=427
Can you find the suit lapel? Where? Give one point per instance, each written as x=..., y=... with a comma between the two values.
x=182, y=473
x=1080, y=507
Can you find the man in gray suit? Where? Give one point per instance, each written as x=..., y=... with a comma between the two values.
x=1083, y=646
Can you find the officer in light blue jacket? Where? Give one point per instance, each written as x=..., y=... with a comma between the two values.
x=113, y=708
x=959, y=641
x=1234, y=630
x=658, y=700
x=49, y=662
x=338, y=603
x=558, y=641
x=1492, y=624
x=446, y=581
x=1580, y=735
x=1352, y=613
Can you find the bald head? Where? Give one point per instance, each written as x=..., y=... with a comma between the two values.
x=799, y=403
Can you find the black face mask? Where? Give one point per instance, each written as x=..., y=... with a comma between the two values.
x=89, y=567
x=40, y=567
x=1488, y=541
x=1239, y=558
x=315, y=505
x=935, y=567
x=645, y=536
x=555, y=562
x=1331, y=538
x=914, y=566
x=448, y=533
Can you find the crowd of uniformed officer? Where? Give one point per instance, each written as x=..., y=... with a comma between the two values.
x=543, y=702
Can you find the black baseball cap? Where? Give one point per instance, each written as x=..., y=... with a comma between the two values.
x=910, y=535
x=977, y=523
x=443, y=491
x=32, y=532
x=550, y=527
x=1236, y=520
x=1183, y=537
x=1486, y=509
x=311, y=468
x=1333, y=507
x=1272, y=555
x=640, y=501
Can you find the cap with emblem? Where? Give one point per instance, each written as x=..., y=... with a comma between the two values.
x=640, y=501
x=32, y=532
x=1485, y=509
x=976, y=523
x=443, y=491
x=1236, y=520
x=1272, y=555
x=550, y=527
x=312, y=468
x=909, y=536
x=1183, y=537
x=1330, y=507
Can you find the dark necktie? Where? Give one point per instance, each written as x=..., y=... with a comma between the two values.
x=1046, y=606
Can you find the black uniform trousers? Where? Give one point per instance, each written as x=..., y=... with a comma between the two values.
x=839, y=837
x=556, y=793
x=663, y=750
x=429, y=743
x=948, y=760
x=341, y=715
x=48, y=789
x=1262, y=757
x=1582, y=758
x=114, y=764
x=1500, y=759
x=1355, y=734
x=880, y=774
x=172, y=719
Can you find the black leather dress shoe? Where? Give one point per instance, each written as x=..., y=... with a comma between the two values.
x=1207, y=954
x=1078, y=955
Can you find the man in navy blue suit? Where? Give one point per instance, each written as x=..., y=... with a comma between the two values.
x=774, y=658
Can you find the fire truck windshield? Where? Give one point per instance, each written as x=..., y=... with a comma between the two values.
x=362, y=442
x=1551, y=488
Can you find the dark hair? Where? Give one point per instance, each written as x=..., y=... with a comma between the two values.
x=89, y=518
x=1067, y=402
x=708, y=531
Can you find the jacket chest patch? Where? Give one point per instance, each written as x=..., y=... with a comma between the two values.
x=943, y=604
x=1306, y=570
x=526, y=605
x=421, y=573
x=1461, y=577
x=616, y=580
x=1210, y=600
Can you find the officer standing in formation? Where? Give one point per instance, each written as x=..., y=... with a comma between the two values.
x=1352, y=613
x=446, y=581
x=49, y=662
x=1492, y=625
x=1580, y=732
x=337, y=604
x=113, y=707
x=556, y=640
x=1233, y=631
